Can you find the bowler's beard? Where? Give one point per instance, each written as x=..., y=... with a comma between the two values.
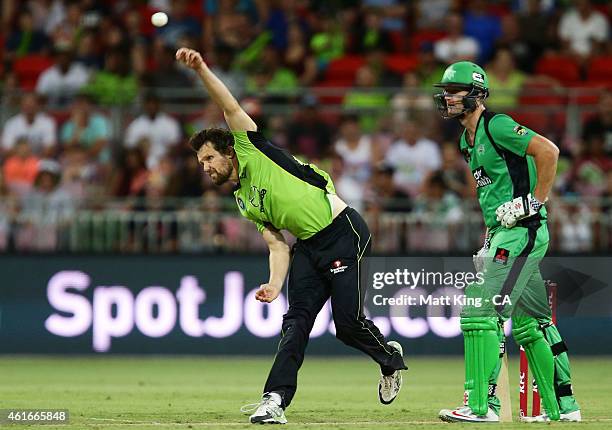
x=222, y=176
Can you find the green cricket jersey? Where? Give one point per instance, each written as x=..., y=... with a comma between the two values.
x=278, y=190
x=499, y=163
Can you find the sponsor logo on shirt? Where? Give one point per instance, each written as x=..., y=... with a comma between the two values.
x=256, y=197
x=337, y=267
x=501, y=256
x=481, y=177
x=520, y=130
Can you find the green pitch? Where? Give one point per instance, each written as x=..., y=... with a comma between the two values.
x=185, y=393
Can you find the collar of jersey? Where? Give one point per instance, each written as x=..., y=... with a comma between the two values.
x=241, y=174
x=475, y=131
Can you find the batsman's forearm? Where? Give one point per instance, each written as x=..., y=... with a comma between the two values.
x=546, y=165
x=220, y=94
x=279, y=264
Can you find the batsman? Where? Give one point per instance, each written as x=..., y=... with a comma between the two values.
x=514, y=169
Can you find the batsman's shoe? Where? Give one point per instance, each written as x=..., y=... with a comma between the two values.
x=268, y=411
x=573, y=417
x=464, y=414
x=390, y=386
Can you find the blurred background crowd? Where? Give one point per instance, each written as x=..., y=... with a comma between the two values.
x=96, y=114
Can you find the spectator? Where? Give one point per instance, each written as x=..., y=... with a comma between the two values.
x=224, y=69
x=210, y=117
x=347, y=188
x=370, y=34
x=456, y=173
x=583, y=30
x=598, y=130
x=483, y=27
x=31, y=123
x=233, y=23
x=25, y=39
x=384, y=196
x=162, y=131
x=455, y=46
x=298, y=56
x=440, y=216
x=327, y=43
x=48, y=209
x=271, y=77
x=167, y=74
x=20, y=169
x=79, y=174
x=130, y=179
x=432, y=13
x=67, y=31
x=588, y=174
x=180, y=23
x=87, y=51
x=534, y=32
x=308, y=134
x=394, y=13
x=60, y=82
x=413, y=157
x=375, y=58
x=429, y=69
x=366, y=99
x=115, y=85
x=88, y=129
x=576, y=234
x=410, y=99
x=505, y=81
x=355, y=149
x=188, y=180
x=7, y=212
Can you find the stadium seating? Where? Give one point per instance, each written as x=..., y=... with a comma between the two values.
x=559, y=67
x=600, y=70
x=401, y=63
x=343, y=70
x=28, y=68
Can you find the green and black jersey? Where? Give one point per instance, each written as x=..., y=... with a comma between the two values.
x=278, y=190
x=499, y=163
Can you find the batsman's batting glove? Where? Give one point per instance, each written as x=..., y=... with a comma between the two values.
x=521, y=207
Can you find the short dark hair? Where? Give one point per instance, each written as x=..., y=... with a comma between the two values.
x=220, y=139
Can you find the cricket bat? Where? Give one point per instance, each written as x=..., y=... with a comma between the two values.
x=503, y=392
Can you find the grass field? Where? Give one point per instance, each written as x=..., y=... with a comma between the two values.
x=192, y=392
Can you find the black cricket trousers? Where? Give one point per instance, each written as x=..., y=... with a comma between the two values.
x=323, y=266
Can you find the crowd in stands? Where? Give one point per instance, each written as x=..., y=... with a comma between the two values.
x=88, y=85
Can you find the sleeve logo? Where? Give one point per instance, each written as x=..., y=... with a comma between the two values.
x=520, y=130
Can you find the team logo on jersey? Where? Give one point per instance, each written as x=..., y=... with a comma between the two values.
x=240, y=203
x=256, y=197
x=481, y=177
x=501, y=256
x=481, y=149
x=520, y=130
x=337, y=267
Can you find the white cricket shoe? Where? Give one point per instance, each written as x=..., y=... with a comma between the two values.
x=574, y=417
x=268, y=411
x=464, y=414
x=389, y=386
